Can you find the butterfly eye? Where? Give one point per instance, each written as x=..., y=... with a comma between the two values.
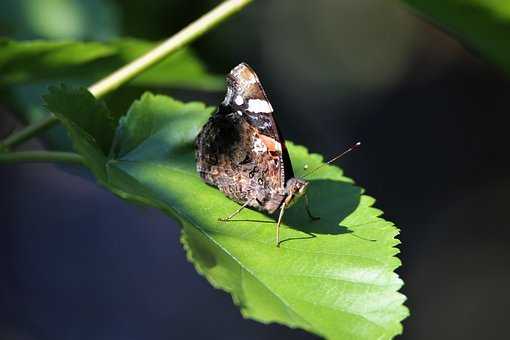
x=260, y=181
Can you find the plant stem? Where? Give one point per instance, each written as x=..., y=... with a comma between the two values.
x=137, y=66
x=40, y=156
x=27, y=132
x=167, y=47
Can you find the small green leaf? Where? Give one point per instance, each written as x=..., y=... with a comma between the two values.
x=88, y=122
x=482, y=24
x=40, y=60
x=334, y=277
x=155, y=125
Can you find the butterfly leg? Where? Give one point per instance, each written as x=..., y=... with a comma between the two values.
x=282, y=210
x=235, y=212
x=307, y=207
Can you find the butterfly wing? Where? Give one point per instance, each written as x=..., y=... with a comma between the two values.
x=240, y=149
x=248, y=96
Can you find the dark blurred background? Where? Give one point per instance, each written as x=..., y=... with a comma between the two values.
x=78, y=263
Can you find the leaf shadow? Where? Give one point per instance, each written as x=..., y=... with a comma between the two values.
x=330, y=200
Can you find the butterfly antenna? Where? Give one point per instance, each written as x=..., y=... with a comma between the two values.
x=352, y=148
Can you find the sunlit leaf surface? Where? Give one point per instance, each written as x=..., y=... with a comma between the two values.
x=334, y=277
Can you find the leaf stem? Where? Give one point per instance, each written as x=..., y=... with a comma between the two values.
x=40, y=156
x=28, y=132
x=137, y=66
x=182, y=38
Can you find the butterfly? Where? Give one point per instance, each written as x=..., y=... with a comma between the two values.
x=241, y=151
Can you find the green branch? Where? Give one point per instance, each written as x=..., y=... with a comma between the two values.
x=40, y=156
x=139, y=65
x=28, y=132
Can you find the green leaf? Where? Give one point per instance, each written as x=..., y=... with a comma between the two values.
x=334, y=277
x=40, y=60
x=88, y=122
x=162, y=119
x=482, y=24
x=44, y=62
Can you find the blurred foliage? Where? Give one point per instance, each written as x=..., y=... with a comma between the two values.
x=35, y=64
x=339, y=53
x=53, y=61
x=484, y=25
x=55, y=20
x=333, y=277
x=59, y=19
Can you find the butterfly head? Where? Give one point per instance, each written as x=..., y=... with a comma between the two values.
x=295, y=188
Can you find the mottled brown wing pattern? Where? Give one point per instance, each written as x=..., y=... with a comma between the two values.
x=246, y=94
x=241, y=151
x=243, y=163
